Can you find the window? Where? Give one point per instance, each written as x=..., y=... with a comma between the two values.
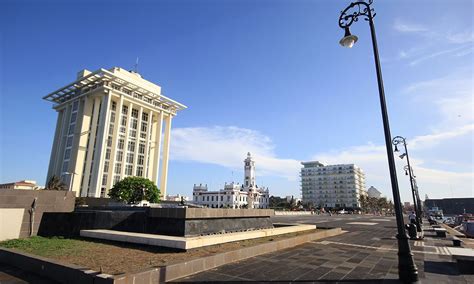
x=104, y=179
x=144, y=126
x=114, y=105
x=133, y=133
x=102, y=192
x=71, y=129
x=73, y=117
x=67, y=154
x=128, y=170
x=106, y=166
x=145, y=116
x=133, y=124
x=124, y=110
x=109, y=141
x=118, y=168
x=123, y=122
x=130, y=157
x=140, y=159
x=135, y=113
x=116, y=179
x=120, y=144
x=119, y=156
x=141, y=148
x=111, y=129
x=65, y=166
x=131, y=146
x=75, y=105
x=139, y=171
x=69, y=141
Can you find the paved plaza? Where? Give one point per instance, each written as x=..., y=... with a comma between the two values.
x=367, y=252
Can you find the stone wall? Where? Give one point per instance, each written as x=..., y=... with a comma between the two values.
x=163, y=221
x=15, y=205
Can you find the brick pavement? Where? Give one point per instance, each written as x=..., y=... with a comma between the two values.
x=367, y=252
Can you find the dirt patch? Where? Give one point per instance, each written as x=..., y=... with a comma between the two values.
x=116, y=258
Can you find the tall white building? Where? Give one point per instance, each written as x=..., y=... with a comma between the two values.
x=111, y=124
x=332, y=186
x=235, y=195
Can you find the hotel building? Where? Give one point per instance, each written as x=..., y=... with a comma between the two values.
x=332, y=186
x=235, y=195
x=111, y=124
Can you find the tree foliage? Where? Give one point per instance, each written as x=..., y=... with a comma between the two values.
x=55, y=183
x=135, y=189
x=371, y=204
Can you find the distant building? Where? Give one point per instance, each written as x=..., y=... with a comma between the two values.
x=332, y=186
x=235, y=195
x=177, y=197
x=111, y=124
x=373, y=192
x=295, y=199
x=451, y=206
x=23, y=184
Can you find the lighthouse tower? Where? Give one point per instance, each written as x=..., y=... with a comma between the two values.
x=249, y=169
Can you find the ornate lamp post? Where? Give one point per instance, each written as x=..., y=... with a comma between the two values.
x=407, y=270
x=409, y=172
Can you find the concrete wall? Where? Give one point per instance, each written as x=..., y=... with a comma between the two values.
x=15, y=205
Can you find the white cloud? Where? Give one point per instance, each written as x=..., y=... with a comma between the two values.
x=227, y=146
x=458, y=51
x=451, y=96
x=432, y=140
x=405, y=27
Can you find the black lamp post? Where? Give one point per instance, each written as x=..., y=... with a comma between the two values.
x=407, y=270
x=409, y=172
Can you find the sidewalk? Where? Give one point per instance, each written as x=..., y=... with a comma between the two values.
x=365, y=253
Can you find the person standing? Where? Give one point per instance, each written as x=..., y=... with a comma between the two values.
x=412, y=217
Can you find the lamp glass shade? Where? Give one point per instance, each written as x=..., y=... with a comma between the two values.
x=348, y=41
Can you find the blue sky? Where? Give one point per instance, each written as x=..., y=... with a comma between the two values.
x=267, y=77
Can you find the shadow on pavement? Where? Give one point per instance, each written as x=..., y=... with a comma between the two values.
x=446, y=268
x=13, y=275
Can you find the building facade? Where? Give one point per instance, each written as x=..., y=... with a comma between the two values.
x=23, y=184
x=235, y=195
x=111, y=124
x=373, y=192
x=332, y=186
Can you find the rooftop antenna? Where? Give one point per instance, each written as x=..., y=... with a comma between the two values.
x=135, y=68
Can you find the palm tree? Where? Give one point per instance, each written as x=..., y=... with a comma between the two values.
x=55, y=183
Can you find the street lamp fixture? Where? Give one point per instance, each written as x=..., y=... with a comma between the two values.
x=407, y=270
x=414, y=188
x=348, y=40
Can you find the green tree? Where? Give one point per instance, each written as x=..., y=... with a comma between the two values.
x=135, y=189
x=55, y=183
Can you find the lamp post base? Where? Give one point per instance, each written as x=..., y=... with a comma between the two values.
x=407, y=270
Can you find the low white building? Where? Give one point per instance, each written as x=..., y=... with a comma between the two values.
x=177, y=197
x=234, y=195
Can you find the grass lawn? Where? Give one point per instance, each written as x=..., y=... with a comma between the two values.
x=48, y=247
x=115, y=257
